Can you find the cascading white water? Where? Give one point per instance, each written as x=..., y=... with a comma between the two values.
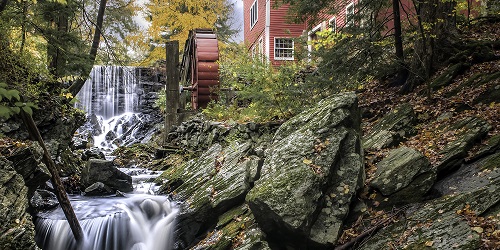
x=139, y=222
x=110, y=91
x=110, y=96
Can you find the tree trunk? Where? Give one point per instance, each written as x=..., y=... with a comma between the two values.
x=431, y=48
x=402, y=74
x=60, y=23
x=56, y=180
x=77, y=86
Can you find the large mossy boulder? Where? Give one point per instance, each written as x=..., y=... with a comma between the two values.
x=209, y=186
x=310, y=174
x=392, y=129
x=405, y=175
x=17, y=229
x=105, y=172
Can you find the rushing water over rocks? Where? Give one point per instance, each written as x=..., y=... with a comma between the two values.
x=120, y=105
x=139, y=220
x=135, y=222
x=119, y=114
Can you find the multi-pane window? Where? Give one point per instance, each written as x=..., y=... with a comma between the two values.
x=349, y=15
x=332, y=24
x=253, y=14
x=283, y=49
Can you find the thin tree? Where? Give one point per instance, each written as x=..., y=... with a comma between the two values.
x=402, y=74
x=78, y=84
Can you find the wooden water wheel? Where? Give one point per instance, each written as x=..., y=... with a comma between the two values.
x=199, y=67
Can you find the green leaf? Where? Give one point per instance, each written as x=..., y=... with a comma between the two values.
x=3, y=85
x=3, y=92
x=20, y=104
x=14, y=93
x=1, y=98
x=16, y=110
x=28, y=110
x=32, y=105
x=4, y=111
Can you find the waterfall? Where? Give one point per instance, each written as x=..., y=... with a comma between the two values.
x=110, y=91
x=141, y=222
x=112, y=98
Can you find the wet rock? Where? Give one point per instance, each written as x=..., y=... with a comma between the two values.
x=79, y=143
x=98, y=189
x=471, y=176
x=93, y=153
x=392, y=129
x=107, y=173
x=111, y=135
x=43, y=200
x=95, y=124
x=470, y=130
x=405, y=175
x=17, y=230
x=312, y=170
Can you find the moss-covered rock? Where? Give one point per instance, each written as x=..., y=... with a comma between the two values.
x=17, y=229
x=392, y=129
x=313, y=167
x=27, y=161
x=489, y=147
x=437, y=224
x=235, y=229
x=468, y=132
x=405, y=175
x=210, y=185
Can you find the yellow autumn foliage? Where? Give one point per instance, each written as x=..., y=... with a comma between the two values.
x=172, y=20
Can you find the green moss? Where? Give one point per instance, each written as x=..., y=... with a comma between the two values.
x=449, y=75
x=491, y=162
x=231, y=214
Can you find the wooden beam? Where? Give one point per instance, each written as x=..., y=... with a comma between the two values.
x=172, y=87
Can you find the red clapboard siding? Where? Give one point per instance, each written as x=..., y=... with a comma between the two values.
x=252, y=34
x=280, y=27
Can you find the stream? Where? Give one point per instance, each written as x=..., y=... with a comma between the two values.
x=138, y=220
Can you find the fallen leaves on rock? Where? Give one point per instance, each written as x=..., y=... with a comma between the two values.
x=488, y=228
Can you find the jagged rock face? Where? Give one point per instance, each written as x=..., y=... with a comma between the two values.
x=312, y=170
x=470, y=130
x=235, y=229
x=27, y=161
x=437, y=222
x=198, y=134
x=17, y=229
x=405, y=175
x=210, y=185
x=105, y=172
x=392, y=128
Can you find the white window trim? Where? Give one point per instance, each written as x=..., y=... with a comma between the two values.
x=347, y=23
x=333, y=21
x=309, y=36
x=254, y=13
x=284, y=58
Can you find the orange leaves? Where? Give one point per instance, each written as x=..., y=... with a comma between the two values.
x=487, y=228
